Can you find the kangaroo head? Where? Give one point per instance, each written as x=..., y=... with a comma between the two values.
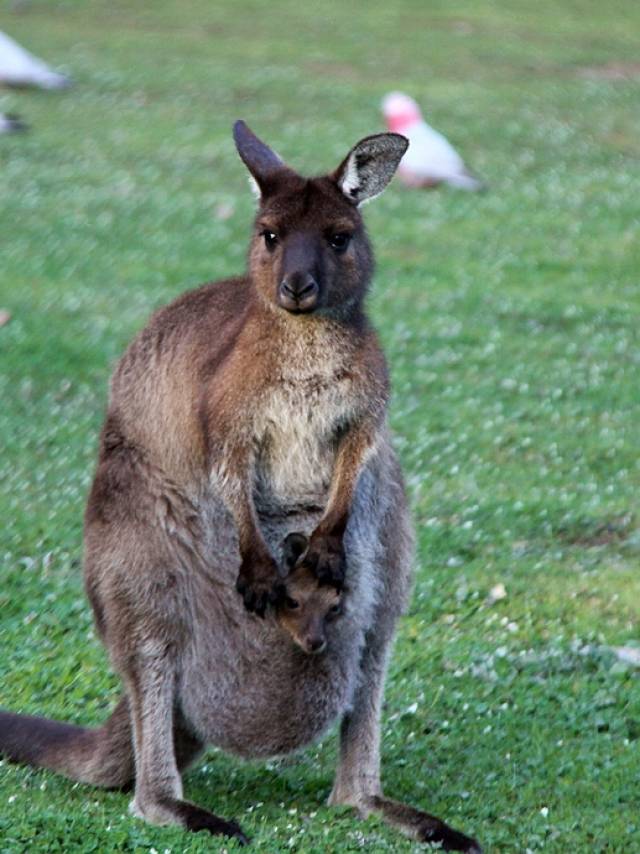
x=308, y=608
x=309, y=250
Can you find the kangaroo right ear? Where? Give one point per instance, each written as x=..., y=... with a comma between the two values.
x=263, y=163
x=369, y=166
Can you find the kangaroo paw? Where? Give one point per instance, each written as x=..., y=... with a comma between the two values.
x=260, y=586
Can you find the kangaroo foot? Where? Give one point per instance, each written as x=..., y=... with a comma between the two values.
x=190, y=816
x=422, y=826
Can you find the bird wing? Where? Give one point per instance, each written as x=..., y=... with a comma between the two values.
x=430, y=154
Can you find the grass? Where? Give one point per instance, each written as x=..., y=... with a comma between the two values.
x=510, y=322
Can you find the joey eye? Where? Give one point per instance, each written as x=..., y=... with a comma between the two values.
x=270, y=239
x=291, y=604
x=334, y=610
x=339, y=241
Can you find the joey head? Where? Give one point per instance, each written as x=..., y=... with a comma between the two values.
x=308, y=608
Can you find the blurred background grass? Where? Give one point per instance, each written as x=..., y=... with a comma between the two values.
x=511, y=325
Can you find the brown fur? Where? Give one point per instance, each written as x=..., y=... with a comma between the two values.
x=245, y=410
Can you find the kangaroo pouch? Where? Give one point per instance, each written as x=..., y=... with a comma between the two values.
x=247, y=688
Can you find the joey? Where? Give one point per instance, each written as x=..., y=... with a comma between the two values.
x=307, y=607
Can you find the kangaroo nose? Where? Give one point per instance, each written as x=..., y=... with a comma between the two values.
x=298, y=292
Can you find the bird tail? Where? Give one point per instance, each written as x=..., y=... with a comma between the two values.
x=45, y=78
x=466, y=181
x=102, y=756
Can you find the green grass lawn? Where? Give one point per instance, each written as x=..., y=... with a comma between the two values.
x=511, y=324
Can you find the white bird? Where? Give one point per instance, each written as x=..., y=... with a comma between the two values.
x=9, y=123
x=430, y=159
x=18, y=67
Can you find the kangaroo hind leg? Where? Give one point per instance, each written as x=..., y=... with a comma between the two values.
x=161, y=746
x=357, y=782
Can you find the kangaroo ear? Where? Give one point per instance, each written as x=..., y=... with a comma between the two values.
x=263, y=163
x=292, y=548
x=369, y=166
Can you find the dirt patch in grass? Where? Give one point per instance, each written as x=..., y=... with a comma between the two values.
x=610, y=71
x=591, y=533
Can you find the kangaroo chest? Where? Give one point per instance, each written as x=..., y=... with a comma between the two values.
x=296, y=439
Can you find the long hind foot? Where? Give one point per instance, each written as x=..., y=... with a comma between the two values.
x=421, y=826
x=417, y=824
x=191, y=817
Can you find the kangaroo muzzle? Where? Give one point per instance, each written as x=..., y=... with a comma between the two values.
x=298, y=293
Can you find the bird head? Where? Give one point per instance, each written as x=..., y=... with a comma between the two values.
x=400, y=111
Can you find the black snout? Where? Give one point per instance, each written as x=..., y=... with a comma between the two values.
x=298, y=292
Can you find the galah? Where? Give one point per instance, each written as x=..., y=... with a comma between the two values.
x=20, y=68
x=430, y=159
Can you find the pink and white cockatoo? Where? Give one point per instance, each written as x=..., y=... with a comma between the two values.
x=430, y=159
x=20, y=68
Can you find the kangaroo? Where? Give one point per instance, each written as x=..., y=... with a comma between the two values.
x=246, y=410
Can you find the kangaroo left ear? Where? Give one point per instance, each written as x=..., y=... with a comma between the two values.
x=369, y=166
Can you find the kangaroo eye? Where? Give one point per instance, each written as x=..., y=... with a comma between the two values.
x=270, y=239
x=291, y=604
x=339, y=241
x=334, y=610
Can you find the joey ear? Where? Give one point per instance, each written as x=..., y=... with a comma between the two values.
x=370, y=165
x=260, y=160
x=293, y=547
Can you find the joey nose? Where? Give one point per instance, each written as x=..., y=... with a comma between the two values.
x=298, y=292
x=316, y=645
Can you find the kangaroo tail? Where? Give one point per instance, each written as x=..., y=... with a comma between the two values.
x=101, y=756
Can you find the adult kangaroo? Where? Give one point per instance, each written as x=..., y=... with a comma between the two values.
x=246, y=410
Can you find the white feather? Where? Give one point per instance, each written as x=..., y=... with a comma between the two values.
x=430, y=154
x=18, y=67
x=431, y=157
